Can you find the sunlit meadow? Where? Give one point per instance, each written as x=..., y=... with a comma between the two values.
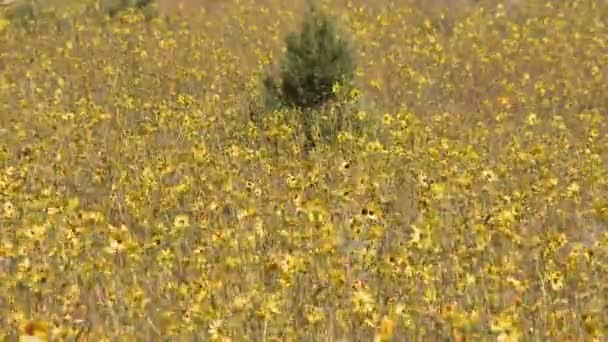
x=139, y=202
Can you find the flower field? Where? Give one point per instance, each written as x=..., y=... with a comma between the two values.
x=140, y=202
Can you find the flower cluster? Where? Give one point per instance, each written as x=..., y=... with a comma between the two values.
x=138, y=201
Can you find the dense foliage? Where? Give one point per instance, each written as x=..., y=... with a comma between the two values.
x=139, y=202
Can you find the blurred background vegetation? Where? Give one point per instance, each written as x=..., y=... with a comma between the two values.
x=139, y=199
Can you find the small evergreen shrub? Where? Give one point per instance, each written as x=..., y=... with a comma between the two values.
x=317, y=67
x=112, y=8
x=28, y=14
x=22, y=12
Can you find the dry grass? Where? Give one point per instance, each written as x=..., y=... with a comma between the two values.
x=137, y=201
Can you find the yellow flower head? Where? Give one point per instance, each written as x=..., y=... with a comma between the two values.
x=34, y=331
x=181, y=221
